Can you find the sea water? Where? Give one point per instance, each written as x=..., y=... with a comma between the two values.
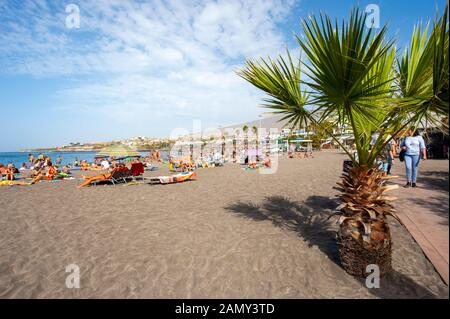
x=17, y=158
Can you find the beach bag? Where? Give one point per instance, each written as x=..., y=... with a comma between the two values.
x=401, y=156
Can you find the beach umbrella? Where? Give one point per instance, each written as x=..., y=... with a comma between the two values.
x=118, y=151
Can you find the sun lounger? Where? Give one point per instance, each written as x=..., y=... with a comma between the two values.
x=137, y=171
x=118, y=175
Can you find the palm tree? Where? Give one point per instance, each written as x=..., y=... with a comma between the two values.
x=351, y=72
x=223, y=137
x=191, y=147
x=245, y=130
x=235, y=139
x=255, y=132
x=203, y=143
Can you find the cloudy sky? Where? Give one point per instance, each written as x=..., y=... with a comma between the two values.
x=137, y=68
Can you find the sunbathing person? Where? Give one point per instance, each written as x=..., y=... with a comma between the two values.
x=267, y=162
x=252, y=164
x=173, y=166
x=189, y=165
x=2, y=170
x=100, y=177
x=84, y=166
x=9, y=172
x=51, y=172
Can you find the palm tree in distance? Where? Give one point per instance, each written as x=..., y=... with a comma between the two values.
x=235, y=141
x=245, y=130
x=255, y=132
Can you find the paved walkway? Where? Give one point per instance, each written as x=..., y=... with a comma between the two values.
x=424, y=210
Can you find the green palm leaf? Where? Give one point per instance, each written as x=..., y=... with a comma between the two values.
x=351, y=73
x=423, y=75
x=280, y=79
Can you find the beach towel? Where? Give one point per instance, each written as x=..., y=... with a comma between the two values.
x=13, y=183
x=173, y=178
x=61, y=176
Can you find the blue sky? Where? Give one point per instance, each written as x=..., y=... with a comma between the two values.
x=138, y=68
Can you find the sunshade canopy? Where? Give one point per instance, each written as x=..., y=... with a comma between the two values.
x=118, y=151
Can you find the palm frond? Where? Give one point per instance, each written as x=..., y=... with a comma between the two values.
x=280, y=79
x=351, y=73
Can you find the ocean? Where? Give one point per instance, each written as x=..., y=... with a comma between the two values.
x=17, y=158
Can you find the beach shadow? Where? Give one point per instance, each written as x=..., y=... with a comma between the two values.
x=437, y=180
x=309, y=219
x=395, y=285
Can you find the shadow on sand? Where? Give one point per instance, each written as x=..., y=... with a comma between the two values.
x=435, y=180
x=310, y=221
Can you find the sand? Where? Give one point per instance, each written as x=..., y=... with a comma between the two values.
x=228, y=234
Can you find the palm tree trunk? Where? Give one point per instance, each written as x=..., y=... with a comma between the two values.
x=364, y=237
x=257, y=148
x=246, y=145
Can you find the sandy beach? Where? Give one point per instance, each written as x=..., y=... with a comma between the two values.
x=228, y=234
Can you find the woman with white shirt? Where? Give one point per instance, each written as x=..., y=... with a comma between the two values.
x=414, y=148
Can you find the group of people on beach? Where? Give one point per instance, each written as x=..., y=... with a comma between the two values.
x=298, y=154
x=41, y=168
x=111, y=166
x=216, y=159
x=155, y=156
x=7, y=172
x=188, y=163
x=411, y=149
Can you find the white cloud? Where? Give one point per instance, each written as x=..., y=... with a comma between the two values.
x=146, y=58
